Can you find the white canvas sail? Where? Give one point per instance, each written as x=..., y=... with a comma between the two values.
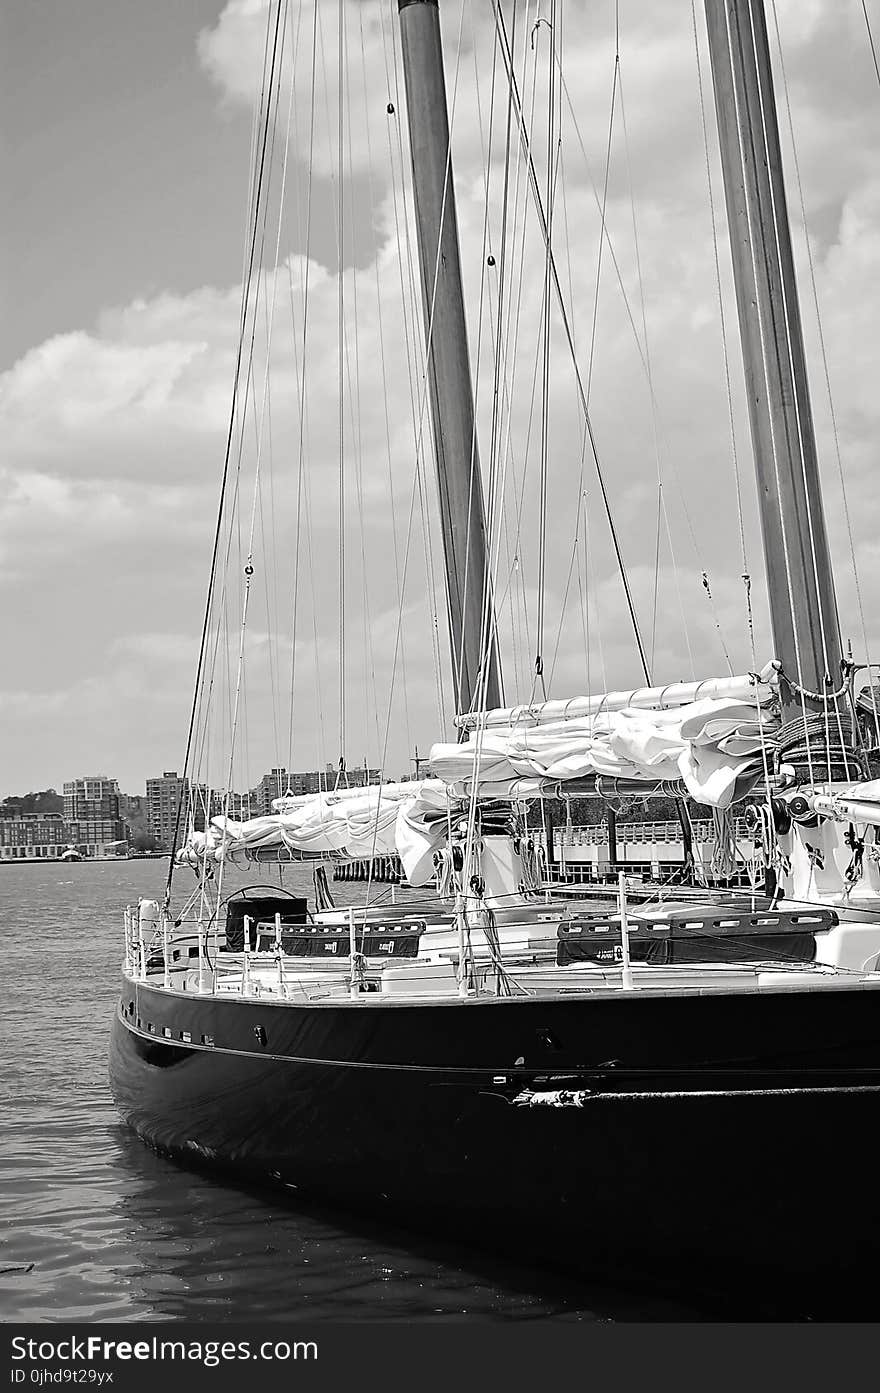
x=407, y=819
x=715, y=746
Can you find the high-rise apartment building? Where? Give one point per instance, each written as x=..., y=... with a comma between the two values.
x=166, y=795
x=278, y=783
x=240, y=806
x=91, y=815
x=90, y=797
x=272, y=785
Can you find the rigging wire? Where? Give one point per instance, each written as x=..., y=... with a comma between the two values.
x=352, y=345
x=248, y=394
x=489, y=636
x=392, y=492
x=545, y=376
x=590, y=588
x=604, y=205
x=429, y=334
x=582, y=494
x=571, y=568
x=656, y=572
x=870, y=38
x=414, y=356
x=516, y=569
x=734, y=453
x=606, y=235
x=263, y=144
x=497, y=462
x=824, y=353
x=487, y=633
x=340, y=239
x=753, y=240
x=791, y=312
x=302, y=367
x=417, y=357
x=647, y=347
x=536, y=199
x=266, y=406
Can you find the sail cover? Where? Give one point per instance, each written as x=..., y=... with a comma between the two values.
x=716, y=746
x=408, y=819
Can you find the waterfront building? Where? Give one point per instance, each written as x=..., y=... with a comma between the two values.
x=97, y=837
x=92, y=816
x=94, y=796
x=241, y=806
x=278, y=783
x=359, y=777
x=272, y=785
x=165, y=796
x=36, y=837
x=32, y=837
x=204, y=803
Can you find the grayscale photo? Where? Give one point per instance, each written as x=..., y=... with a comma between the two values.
x=439, y=679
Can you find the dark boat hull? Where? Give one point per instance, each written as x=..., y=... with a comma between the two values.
x=694, y=1142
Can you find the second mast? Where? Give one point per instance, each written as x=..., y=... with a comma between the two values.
x=468, y=590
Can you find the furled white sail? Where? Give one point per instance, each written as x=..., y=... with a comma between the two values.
x=716, y=746
x=749, y=687
x=408, y=819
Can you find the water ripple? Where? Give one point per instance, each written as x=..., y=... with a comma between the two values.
x=116, y=1233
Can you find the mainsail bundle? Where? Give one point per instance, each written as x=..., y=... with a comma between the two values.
x=717, y=746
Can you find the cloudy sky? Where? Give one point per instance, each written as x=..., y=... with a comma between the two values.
x=128, y=132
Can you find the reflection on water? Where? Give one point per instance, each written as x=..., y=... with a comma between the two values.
x=117, y=1233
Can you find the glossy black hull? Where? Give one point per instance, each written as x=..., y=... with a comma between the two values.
x=726, y=1140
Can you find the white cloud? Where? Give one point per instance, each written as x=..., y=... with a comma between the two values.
x=114, y=435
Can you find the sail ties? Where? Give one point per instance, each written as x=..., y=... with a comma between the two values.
x=755, y=688
x=713, y=744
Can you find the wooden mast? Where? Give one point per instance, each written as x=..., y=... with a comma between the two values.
x=470, y=612
x=803, y=609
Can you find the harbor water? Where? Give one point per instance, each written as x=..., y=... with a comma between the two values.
x=95, y=1227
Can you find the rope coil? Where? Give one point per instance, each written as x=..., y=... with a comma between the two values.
x=805, y=740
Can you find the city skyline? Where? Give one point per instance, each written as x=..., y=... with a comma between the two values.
x=96, y=819
x=294, y=775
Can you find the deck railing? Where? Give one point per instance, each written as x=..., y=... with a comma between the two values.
x=596, y=834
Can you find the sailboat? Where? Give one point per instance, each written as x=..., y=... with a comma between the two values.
x=623, y=1089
